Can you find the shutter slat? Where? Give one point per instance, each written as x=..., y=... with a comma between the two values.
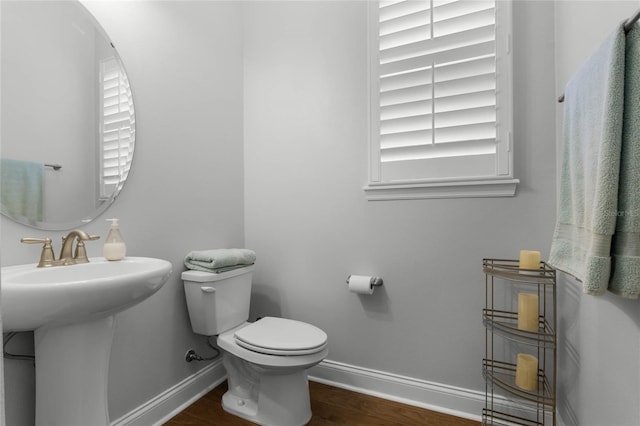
x=444, y=135
x=409, y=79
x=445, y=10
x=456, y=54
x=464, y=23
x=406, y=124
x=409, y=35
x=114, y=135
x=466, y=68
x=479, y=83
x=466, y=100
x=405, y=22
x=396, y=140
x=469, y=132
x=464, y=117
x=472, y=147
x=410, y=94
x=395, y=10
x=407, y=109
x=433, y=47
x=116, y=116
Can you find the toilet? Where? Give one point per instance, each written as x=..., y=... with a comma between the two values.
x=267, y=360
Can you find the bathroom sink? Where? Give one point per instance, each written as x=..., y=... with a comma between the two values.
x=34, y=297
x=72, y=312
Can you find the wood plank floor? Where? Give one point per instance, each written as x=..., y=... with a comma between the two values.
x=330, y=406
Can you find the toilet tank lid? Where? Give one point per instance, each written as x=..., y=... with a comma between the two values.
x=204, y=277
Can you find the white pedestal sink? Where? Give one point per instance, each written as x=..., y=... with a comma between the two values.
x=71, y=309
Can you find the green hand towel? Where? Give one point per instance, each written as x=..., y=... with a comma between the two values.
x=588, y=198
x=219, y=260
x=21, y=189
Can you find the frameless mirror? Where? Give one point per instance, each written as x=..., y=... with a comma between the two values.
x=68, y=123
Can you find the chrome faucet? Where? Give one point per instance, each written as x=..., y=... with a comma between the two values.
x=48, y=258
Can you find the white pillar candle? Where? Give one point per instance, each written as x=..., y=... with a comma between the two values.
x=529, y=259
x=528, y=311
x=527, y=372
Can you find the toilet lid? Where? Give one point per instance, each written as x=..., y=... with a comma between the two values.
x=280, y=336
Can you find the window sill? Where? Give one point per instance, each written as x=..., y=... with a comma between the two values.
x=448, y=189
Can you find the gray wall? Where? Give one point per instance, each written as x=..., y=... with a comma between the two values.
x=307, y=217
x=599, y=341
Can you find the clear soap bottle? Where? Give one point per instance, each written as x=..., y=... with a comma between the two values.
x=114, y=246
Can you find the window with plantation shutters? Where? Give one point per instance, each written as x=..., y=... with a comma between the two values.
x=441, y=99
x=116, y=127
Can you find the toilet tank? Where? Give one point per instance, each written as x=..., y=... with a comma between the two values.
x=217, y=302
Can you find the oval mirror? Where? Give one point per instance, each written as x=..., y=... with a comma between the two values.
x=68, y=123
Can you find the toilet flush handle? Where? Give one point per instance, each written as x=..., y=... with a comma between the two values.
x=208, y=289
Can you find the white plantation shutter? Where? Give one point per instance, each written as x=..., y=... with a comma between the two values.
x=441, y=109
x=117, y=127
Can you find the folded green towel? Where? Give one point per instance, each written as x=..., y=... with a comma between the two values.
x=219, y=260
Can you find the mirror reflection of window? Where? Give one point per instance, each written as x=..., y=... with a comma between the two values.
x=116, y=128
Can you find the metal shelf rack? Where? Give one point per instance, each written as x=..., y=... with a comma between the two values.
x=505, y=402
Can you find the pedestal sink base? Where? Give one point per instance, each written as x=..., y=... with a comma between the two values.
x=71, y=310
x=72, y=365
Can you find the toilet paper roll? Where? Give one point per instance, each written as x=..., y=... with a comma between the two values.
x=360, y=284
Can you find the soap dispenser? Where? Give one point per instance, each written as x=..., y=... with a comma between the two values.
x=114, y=247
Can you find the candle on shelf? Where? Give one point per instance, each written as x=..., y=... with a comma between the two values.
x=527, y=372
x=528, y=311
x=529, y=259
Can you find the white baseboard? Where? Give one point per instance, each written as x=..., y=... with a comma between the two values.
x=456, y=401
x=166, y=405
x=433, y=396
x=439, y=397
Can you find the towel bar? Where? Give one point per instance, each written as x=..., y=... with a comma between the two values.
x=628, y=24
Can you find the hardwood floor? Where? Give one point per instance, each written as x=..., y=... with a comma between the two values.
x=330, y=406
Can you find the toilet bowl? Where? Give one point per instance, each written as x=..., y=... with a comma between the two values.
x=267, y=360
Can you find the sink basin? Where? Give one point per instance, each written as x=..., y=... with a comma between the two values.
x=72, y=312
x=34, y=297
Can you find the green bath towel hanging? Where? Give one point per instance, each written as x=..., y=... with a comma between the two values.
x=588, y=202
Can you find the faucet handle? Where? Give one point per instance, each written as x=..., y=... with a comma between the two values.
x=80, y=255
x=28, y=240
x=47, y=258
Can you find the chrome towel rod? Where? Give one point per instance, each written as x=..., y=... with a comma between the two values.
x=628, y=24
x=53, y=166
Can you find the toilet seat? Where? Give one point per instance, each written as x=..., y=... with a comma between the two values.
x=281, y=336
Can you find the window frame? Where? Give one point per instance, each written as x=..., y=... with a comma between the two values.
x=500, y=184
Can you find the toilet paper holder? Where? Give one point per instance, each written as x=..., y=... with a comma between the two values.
x=374, y=282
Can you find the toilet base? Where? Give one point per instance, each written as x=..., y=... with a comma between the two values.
x=267, y=397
